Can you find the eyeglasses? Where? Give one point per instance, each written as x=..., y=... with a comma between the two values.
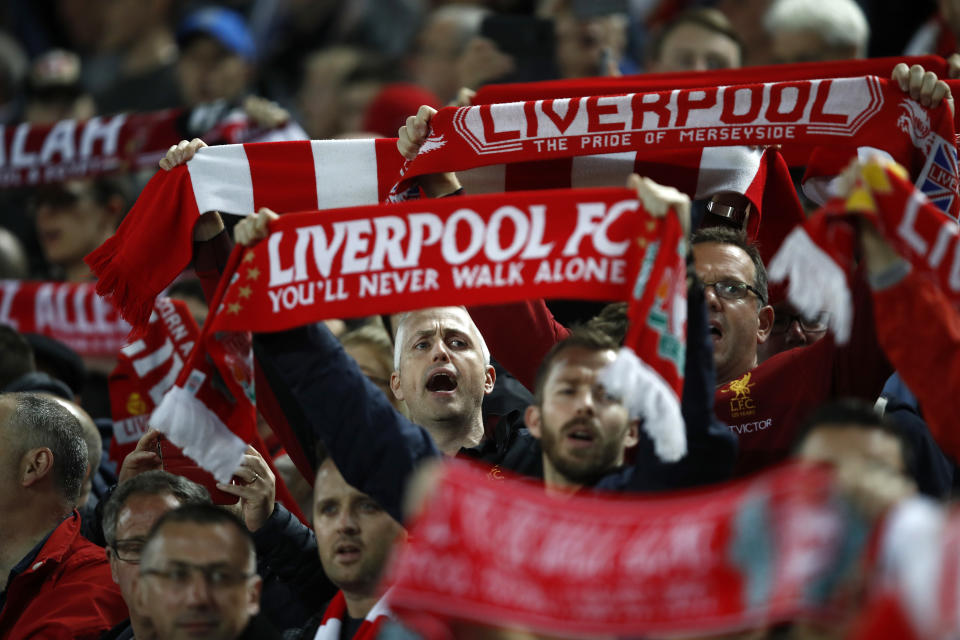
x=782, y=322
x=180, y=575
x=733, y=290
x=128, y=549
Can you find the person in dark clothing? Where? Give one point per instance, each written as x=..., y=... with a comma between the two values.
x=354, y=539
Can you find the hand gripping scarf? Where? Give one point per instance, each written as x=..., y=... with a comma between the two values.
x=595, y=244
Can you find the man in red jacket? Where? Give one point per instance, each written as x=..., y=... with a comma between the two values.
x=55, y=584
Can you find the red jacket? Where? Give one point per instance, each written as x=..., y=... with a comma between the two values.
x=919, y=331
x=66, y=593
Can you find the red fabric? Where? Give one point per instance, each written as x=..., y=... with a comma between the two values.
x=512, y=556
x=70, y=312
x=480, y=257
x=67, y=592
x=837, y=115
x=131, y=275
x=931, y=370
x=393, y=105
x=882, y=67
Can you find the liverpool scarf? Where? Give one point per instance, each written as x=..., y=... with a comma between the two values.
x=595, y=244
x=337, y=610
x=72, y=313
x=146, y=369
x=71, y=149
x=736, y=557
x=606, y=86
x=818, y=258
x=864, y=113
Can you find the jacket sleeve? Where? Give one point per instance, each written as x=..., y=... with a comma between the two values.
x=287, y=560
x=711, y=446
x=860, y=367
x=919, y=331
x=375, y=447
x=518, y=335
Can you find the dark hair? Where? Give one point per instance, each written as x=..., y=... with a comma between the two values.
x=726, y=235
x=582, y=337
x=16, y=356
x=854, y=413
x=38, y=420
x=203, y=514
x=187, y=288
x=150, y=483
x=704, y=17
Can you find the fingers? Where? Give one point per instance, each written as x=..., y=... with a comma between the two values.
x=412, y=135
x=464, y=97
x=254, y=227
x=148, y=441
x=953, y=66
x=181, y=153
x=923, y=86
x=657, y=199
x=265, y=113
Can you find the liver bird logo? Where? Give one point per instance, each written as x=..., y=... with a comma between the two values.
x=741, y=386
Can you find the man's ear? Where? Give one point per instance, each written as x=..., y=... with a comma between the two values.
x=253, y=596
x=35, y=465
x=531, y=418
x=112, y=559
x=632, y=435
x=765, y=317
x=489, y=379
x=395, y=385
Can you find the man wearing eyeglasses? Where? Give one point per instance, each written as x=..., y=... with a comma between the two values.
x=128, y=516
x=762, y=403
x=198, y=577
x=791, y=329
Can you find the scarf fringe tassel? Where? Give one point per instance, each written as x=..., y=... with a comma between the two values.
x=649, y=398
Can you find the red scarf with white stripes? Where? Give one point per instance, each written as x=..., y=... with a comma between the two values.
x=337, y=610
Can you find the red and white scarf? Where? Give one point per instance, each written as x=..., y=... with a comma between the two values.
x=592, y=244
x=70, y=149
x=735, y=557
x=72, y=313
x=337, y=610
x=818, y=258
x=607, y=86
x=146, y=369
x=849, y=114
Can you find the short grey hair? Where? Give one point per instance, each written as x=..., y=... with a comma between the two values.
x=840, y=23
x=399, y=337
x=39, y=420
x=149, y=483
